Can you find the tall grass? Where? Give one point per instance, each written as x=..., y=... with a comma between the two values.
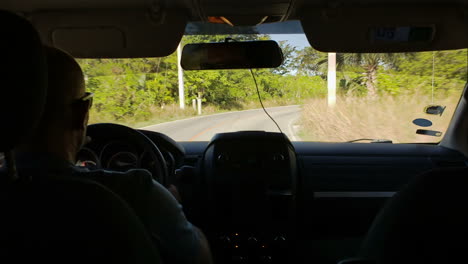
x=386, y=117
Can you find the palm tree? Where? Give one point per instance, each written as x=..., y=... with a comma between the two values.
x=370, y=63
x=313, y=62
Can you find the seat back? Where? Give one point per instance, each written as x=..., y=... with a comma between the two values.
x=48, y=218
x=426, y=222
x=61, y=219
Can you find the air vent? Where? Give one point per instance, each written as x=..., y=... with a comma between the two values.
x=449, y=163
x=191, y=160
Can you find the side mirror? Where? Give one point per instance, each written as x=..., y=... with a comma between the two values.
x=434, y=110
x=231, y=55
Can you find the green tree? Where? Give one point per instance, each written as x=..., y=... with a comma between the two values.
x=451, y=64
x=368, y=64
x=289, y=59
x=311, y=62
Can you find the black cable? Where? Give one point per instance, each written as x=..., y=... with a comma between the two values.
x=260, y=99
x=360, y=139
x=258, y=92
x=372, y=140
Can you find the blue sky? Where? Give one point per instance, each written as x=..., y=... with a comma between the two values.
x=298, y=40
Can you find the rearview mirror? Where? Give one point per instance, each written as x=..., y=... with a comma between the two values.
x=232, y=55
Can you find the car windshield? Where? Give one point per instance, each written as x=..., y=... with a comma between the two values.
x=312, y=96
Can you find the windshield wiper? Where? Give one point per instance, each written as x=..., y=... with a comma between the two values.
x=372, y=140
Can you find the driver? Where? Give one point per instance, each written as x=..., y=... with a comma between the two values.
x=61, y=134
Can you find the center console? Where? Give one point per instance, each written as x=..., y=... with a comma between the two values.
x=250, y=180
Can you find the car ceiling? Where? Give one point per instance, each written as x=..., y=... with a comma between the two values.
x=198, y=10
x=133, y=28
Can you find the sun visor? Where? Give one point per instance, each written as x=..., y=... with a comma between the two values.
x=372, y=30
x=111, y=34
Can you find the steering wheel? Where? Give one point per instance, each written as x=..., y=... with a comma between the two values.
x=123, y=133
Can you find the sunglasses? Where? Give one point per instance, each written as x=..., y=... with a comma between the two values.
x=87, y=97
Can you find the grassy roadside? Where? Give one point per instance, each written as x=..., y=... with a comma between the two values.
x=387, y=117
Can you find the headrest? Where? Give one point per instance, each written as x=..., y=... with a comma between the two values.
x=23, y=79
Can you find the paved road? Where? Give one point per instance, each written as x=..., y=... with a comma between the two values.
x=203, y=128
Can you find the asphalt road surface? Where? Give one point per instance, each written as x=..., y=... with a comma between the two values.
x=203, y=128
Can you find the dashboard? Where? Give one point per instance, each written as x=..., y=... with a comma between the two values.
x=260, y=198
x=241, y=193
x=250, y=181
x=340, y=188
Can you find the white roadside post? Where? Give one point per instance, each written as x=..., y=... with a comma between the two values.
x=199, y=100
x=181, y=78
x=331, y=80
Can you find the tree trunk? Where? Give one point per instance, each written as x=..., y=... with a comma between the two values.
x=371, y=74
